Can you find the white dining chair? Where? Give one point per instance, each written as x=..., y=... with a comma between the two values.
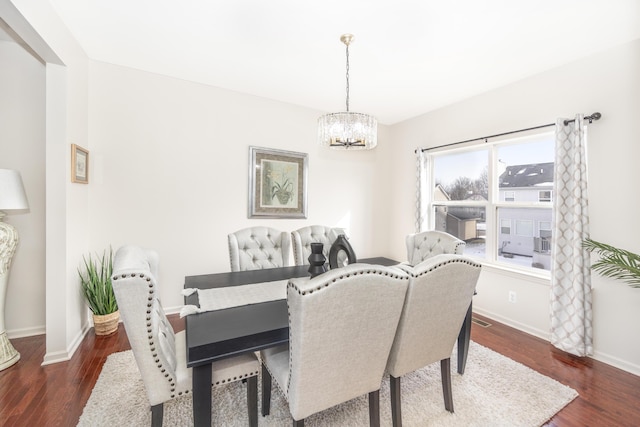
x=341, y=326
x=302, y=238
x=439, y=293
x=426, y=244
x=159, y=352
x=255, y=248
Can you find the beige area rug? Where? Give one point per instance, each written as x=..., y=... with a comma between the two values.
x=494, y=391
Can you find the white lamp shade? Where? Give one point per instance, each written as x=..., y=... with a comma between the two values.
x=12, y=195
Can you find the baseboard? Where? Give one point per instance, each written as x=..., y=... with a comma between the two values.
x=26, y=332
x=63, y=356
x=514, y=324
x=172, y=310
x=616, y=362
x=599, y=356
x=55, y=357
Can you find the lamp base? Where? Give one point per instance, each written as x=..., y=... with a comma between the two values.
x=9, y=356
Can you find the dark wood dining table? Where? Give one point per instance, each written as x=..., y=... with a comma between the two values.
x=219, y=334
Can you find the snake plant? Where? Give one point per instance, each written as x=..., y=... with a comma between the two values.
x=96, y=283
x=615, y=263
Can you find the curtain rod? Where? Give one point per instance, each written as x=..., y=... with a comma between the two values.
x=591, y=118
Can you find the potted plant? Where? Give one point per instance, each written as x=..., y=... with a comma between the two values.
x=615, y=263
x=95, y=281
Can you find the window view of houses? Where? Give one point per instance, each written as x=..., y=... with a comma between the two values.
x=517, y=214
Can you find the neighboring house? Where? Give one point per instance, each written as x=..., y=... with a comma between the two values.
x=526, y=230
x=462, y=222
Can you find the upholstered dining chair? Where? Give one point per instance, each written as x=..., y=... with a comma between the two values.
x=255, y=248
x=421, y=246
x=341, y=326
x=302, y=238
x=439, y=293
x=159, y=352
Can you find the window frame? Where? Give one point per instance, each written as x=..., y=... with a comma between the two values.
x=493, y=202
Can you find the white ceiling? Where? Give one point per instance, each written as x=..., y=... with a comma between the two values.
x=409, y=56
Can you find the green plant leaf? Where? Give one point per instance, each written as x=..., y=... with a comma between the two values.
x=615, y=263
x=95, y=282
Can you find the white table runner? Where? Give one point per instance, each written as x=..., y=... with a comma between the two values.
x=235, y=296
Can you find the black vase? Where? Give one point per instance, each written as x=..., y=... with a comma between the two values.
x=316, y=260
x=341, y=244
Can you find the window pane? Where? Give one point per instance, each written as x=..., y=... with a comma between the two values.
x=467, y=223
x=505, y=226
x=526, y=171
x=462, y=176
x=521, y=171
x=544, y=196
x=526, y=247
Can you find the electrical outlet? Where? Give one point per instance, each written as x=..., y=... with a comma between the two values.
x=512, y=297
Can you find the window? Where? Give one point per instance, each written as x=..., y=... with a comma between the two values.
x=496, y=197
x=544, y=229
x=544, y=196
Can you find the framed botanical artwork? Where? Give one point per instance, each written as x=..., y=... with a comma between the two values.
x=79, y=164
x=277, y=183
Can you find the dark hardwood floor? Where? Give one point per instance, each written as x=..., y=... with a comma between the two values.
x=54, y=395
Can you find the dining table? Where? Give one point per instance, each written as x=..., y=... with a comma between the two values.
x=234, y=330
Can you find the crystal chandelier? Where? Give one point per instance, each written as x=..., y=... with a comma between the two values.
x=348, y=130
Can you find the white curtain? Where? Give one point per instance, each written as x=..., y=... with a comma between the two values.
x=422, y=190
x=571, y=315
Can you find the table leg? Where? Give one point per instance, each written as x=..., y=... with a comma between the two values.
x=201, y=381
x=463, y=341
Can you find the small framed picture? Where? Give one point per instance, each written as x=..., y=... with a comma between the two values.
x=277, y=183
x=79, y=164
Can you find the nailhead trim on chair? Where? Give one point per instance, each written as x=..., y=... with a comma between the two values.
x=310, y=291
x=293, y=286
x=228, y=380
x=152, y=347
x=450, y=261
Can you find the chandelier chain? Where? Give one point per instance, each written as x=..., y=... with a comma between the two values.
x=347, y=77
x=347, y=130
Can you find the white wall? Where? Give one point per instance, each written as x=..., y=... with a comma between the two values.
x=66, y=219
x=170, y=171
x=607, y=82
x=22, y=142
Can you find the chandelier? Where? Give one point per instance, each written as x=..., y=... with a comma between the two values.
x=346, y=129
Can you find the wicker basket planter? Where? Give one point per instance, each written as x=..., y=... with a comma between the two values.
x=106, y=324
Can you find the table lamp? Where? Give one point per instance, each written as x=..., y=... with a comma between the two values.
x=12, y=198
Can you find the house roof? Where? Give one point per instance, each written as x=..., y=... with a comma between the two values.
x=536, y=174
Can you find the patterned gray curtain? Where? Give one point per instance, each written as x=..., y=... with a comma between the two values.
x=571, y=315
x=422, y=190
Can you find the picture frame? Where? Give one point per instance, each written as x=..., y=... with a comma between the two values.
x=277, y=183
x=79, y=164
